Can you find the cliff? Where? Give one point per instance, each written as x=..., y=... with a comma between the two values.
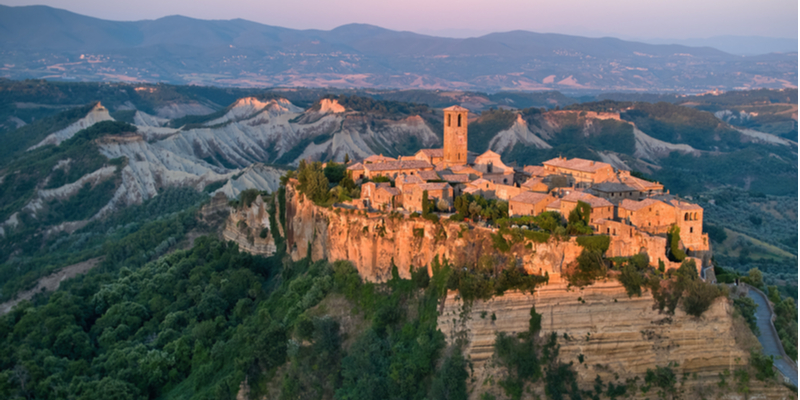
x=618, y=337
x=373, y=241
x=245, y=226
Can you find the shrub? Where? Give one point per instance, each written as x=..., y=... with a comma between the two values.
x=590, y=266
x=674, y=237
x=763, y=365
x=500, y=242
x=699, y=297
x=747, y=309
x=632, y=280
x=596, y=243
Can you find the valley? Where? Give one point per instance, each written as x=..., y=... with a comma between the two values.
x=220, y=270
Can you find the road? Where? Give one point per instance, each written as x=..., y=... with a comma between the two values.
x=768, y=337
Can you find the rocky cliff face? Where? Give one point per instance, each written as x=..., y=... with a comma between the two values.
x=374, y=241
x=618, y=337
x=245, y=226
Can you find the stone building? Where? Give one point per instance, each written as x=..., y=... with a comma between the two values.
x=528, y=203
x=412, y=199
x=584, y=172
x=432, y=156
x=393, y=169
x=455, y=135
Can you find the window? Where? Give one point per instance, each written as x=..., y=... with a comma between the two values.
x=459, y=120
x=448, y=119
x=691, y=229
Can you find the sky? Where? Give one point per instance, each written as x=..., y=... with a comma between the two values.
x=626, y=19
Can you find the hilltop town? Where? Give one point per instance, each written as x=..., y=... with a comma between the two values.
x=620, y=204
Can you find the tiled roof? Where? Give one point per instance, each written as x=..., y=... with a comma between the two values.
x=481, y=181
x=432, y=152
x=429, y=175
x=639, y=183
x=356, y=167
x=529, y=197
x=608, y=187
x=595, y=201
x=434, y=186
x=531, y=182
x=577, y=164
x=682, y=205
x=638, y=205
x=391, y=190
x=378, y=158
x=455, y=108
x=408, y=179
x=535, y=170
x=398, y=165
x=471, y=190
x=460, y=178
x=556, y=205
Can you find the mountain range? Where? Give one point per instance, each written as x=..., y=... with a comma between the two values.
x=44, y=42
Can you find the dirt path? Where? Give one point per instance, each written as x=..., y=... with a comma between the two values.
x=51, y=282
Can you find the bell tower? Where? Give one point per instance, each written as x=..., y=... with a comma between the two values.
x=455, y=135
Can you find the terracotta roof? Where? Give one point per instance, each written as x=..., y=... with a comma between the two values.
x=682, y=205
x=587, y=198
x=378, y=158
x=408, y=179
x=432, y=152
x=407, y=158
x=460, y=178
x=595, y=201
x=455, y=108
x=391, y=190
x=434, y=186
x=639, y=183
x=555, y=205
x=608, y=187
x=356, y=167
x=471, y=190
x=429, y=175
x=481, y=181
x=577, y=164
x=531, y=182
x=529, y=197
x=536, y=170
x=398, y=165
x=638, y=205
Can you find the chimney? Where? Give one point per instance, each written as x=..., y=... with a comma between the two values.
x=593, y=163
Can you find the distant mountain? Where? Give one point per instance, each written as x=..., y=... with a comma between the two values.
x=739, y=45
x=43, y=42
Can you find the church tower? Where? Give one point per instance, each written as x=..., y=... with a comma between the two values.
x=455, y=135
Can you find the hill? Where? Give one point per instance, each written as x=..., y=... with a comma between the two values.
x=41, y=42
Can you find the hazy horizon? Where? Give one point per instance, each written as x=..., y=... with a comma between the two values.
x=624, y=19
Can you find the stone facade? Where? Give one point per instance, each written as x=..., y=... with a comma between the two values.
x=455, y=135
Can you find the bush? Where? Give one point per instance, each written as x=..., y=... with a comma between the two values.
x=674, y=237
x=747, y=309
x=699, y=296
x=596, y=243
x=590, y=266
x=632, y=280
x=763, y=365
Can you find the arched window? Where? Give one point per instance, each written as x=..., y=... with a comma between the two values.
x=686, y=217
x=459, y=120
